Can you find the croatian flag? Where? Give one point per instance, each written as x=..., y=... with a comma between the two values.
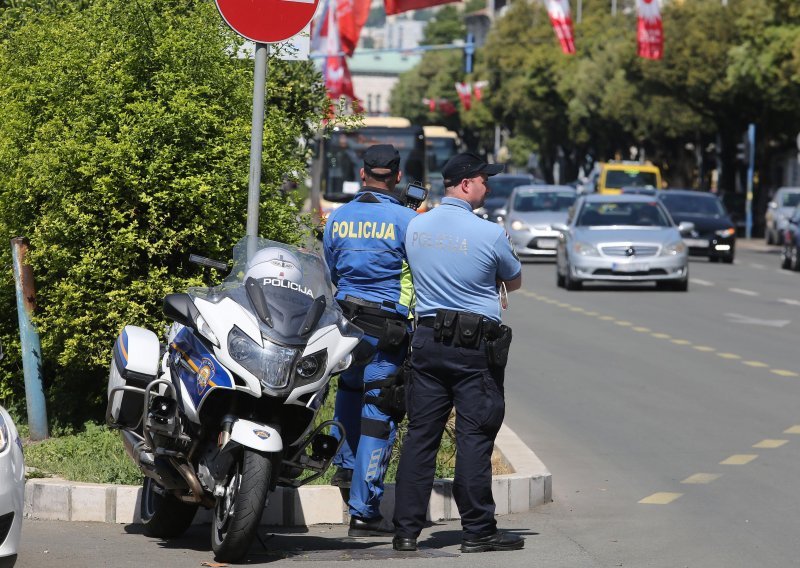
x=650, y=31
x=562, y=24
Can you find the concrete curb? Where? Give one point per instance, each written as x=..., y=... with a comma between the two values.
x=527, y=487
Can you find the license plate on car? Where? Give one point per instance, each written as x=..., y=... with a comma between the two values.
x=630, y=267
x=696, y=243
x=547, y=243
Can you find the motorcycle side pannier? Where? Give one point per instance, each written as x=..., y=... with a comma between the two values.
x=134, y=363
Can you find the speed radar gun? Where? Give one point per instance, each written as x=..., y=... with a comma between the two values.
x=224, y=411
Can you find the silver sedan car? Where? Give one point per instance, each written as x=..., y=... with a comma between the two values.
x=12, y=488
x=531, y=212
x=621, y=238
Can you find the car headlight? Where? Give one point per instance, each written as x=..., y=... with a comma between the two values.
x=673, y=249
x=585, y=249
x=726, y=232
x=5, y=435
x=518, y=225
x=271, y=364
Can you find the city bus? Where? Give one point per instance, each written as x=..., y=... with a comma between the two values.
x=343, y=157
x=441, y=144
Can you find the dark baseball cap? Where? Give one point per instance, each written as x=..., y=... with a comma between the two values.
x=382, y=159
x=467, y=165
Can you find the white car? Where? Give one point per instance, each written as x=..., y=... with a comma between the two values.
x=531, y=212
x=779, y=211
x=12, y=488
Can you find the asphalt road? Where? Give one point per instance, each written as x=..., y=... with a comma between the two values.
x=669, y=420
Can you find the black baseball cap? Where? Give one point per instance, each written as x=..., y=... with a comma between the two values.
x=382, y=160
x=467, y=165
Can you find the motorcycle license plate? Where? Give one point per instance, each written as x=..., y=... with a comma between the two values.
x=630, y=267
x=696, y=243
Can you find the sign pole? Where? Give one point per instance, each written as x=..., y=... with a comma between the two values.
x=751, y=159
x=256, y=142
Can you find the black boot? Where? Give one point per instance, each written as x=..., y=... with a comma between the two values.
x=404, y=544
x=370, y=527
x=497, y=541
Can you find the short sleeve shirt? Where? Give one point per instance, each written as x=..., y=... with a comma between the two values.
x=456, y=259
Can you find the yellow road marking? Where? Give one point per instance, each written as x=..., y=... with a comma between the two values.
x=728, y=355
x=770, y=443
x=702, y=478
x=642, y=329
x=755, y=364
x=681, y=342
x=623, y=323
x=784, y=373
x=591, y=313
x=792, y=430
x=606, y=318
x=562, y=305
x=739, y=459
x=576, y=309
x=663, y=498
x=661, y=335
x=705, y=348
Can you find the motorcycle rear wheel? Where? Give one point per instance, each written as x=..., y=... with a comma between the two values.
x=163, y=516
x=238, y=512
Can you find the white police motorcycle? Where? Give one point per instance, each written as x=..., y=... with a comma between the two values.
x=225, y=411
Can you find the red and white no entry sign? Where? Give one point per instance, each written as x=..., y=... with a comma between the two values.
x=267, y=21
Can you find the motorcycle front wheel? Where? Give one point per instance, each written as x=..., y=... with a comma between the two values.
x=238, y=512
x=163, y=516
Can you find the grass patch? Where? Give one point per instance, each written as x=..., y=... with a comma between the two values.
x=96, y=454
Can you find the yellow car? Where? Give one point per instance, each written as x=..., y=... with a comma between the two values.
x=617, y=175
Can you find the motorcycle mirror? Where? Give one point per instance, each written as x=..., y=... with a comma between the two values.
x=181, y=309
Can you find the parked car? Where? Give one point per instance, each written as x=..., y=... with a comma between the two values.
x=531, y=212
x=12, y=488
x=790, y=255
x=779, y=209
x=714, y=234
x=621, y=238
x=500, y=188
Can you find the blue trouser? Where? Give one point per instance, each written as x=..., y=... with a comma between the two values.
x=444, y=376
x=370, y=433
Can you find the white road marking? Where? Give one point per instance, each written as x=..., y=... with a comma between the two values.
x=702, y=282
x=739, y=318
x=744, y=292
x=761, y=266
x=789, y=301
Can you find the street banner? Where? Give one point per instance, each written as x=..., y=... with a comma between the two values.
x=464, y=91
x=338, y=81
x=478, y=88
x=562, y=24
x=351, y=16
x=398, y=6
x=649, y=31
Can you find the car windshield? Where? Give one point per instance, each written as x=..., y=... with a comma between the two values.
x=702, y=205
x=526, y=202
x=502, y=186
x=617, y=179
x=627, y=213
x=790, y=200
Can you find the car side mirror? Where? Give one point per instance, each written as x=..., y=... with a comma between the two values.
x=560, y=227
x=772, y=205
x=685, y=227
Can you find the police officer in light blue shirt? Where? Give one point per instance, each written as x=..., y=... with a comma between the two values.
x=458, y=354
x=364, y=243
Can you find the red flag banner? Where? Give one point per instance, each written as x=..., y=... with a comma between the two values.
x=562, y=24
x=338, y=81
x=464, y=91
x=650, y=32
x=351, y=16
x=398, y=6
x=478, y=88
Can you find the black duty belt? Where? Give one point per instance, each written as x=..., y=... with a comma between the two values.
x=490, y=328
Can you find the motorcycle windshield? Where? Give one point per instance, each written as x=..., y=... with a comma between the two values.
x=295, y=285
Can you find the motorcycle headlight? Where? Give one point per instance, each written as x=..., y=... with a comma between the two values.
x=5, y=435
x=725, y=233
x=585, y=249
x=518, y=225
x=271, y=364
x=672, y=249
x=311, y=366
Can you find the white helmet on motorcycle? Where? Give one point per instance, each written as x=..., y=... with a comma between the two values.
x=274, y=262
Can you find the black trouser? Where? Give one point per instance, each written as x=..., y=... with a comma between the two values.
x=444, y=376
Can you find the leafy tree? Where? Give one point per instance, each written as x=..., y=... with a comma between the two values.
x=446, y=27
x=124, y=146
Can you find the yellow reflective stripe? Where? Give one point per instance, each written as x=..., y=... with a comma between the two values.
x=407, y=297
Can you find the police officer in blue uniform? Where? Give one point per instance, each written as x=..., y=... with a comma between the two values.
x=364, y=243
x=458, y=355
